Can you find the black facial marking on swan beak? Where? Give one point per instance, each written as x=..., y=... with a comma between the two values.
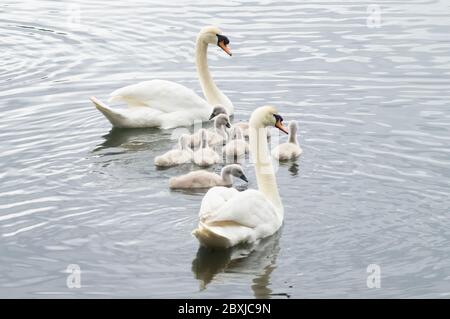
x=278, y=118
x=228, y=125
x=222, y=42
x=222, y=38
x=213, y=115
x=244, y=178
x=279, y=123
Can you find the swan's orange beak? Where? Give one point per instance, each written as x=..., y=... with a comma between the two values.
x=279, y=125
x=224, y=47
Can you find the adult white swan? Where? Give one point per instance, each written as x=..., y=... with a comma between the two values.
x=165, y=104
x=228, y=217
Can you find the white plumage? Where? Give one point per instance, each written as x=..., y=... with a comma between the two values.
x=228, y=217
x=237, y=146
x=181, y=155
x=205, y=156
x=289, y=150
x=166, y=104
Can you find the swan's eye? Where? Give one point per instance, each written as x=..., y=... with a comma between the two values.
x=278, y=118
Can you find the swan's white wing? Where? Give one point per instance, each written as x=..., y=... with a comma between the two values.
x=214, y=199
x=165, y=96
x=229, y=217
x=249, y=208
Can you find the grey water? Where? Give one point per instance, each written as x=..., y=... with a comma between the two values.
x=368, y=83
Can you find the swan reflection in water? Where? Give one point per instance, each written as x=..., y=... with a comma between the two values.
x=133, y=139
x=258, y=259
x=147, y=138
x=293, y=168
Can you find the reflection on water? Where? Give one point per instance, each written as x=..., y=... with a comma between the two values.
x=293, y=168
x=117, y=137
x=259, y=259
x=127, y=138
x=188, y=191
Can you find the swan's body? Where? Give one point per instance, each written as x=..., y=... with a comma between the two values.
x=205, y=179
x=228, y=217
x=289, y=150
x=236, y=147
x=166, y=104
x=205, y=156
x=181, y=155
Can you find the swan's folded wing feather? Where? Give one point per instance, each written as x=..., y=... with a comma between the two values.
x=214, y=199
x=249, y=208
x=165, y=96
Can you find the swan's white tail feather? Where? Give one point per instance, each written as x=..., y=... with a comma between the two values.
x=224, y=235
x=114, y=117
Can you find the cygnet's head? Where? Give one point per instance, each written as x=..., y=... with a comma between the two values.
x=213, y=35
x=235, y=170
x=218, y=109
x=222, y=120
x=267, y=116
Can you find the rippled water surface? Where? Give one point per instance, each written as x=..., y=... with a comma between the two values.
x=372, y=186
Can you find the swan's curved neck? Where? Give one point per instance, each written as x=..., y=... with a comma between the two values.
x=212, y=93
x=265, y=174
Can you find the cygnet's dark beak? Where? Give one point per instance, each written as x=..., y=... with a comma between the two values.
x=244, y=178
